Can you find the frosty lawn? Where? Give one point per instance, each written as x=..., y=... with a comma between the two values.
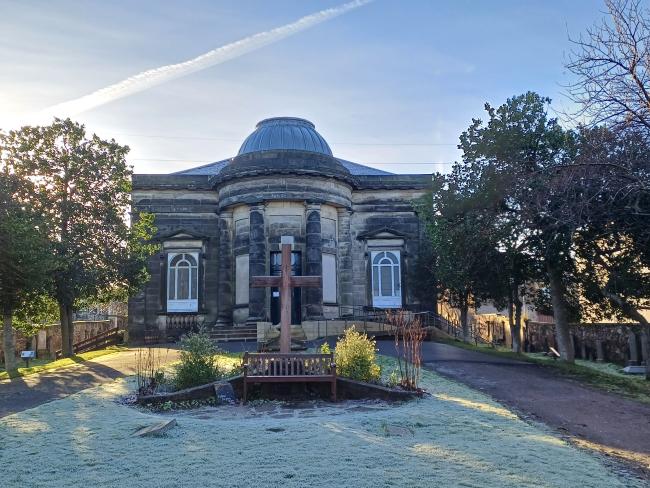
x=456, y=437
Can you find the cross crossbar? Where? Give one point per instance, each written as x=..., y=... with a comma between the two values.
x=285, y=282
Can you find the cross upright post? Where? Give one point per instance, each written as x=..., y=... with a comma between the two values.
x=285, y=282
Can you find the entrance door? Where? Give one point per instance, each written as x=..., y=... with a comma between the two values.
x=296, y=270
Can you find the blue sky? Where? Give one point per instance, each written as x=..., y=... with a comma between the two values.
x=391, y=84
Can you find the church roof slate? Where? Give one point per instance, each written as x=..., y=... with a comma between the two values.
x=213, y=169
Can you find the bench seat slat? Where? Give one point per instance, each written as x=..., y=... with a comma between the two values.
x=288, y=379
x=289, y=368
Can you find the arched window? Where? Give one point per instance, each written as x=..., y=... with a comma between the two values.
x=386, y=279
x=183, y=282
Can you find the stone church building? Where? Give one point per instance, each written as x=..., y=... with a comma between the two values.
x=220, y=224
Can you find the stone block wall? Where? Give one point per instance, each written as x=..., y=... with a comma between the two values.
x=611, y=342
x=48, y=340
x=180, y=204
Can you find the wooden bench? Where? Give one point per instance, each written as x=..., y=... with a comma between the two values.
x=289, y=368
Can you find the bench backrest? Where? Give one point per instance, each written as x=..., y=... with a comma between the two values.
x=276, y=364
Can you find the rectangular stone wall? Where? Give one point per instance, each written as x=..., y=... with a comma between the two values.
x=616, y=343
x=389, y=215
x=176, y=210
x=48, y=340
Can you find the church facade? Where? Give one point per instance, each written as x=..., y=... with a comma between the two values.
x=221, y=224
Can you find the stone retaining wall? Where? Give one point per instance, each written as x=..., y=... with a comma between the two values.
x=48, y=339
x=612, y=342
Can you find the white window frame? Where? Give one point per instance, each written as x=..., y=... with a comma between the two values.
x=188, y=304
x=395, y=299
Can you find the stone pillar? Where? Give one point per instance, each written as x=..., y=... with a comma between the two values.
x=346, y=296
x=645, y=353
x=225, y=285
x=314, y=261
x=600, y=351
x=257, y=257
x=634, y=349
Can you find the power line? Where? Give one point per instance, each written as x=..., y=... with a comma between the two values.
x=211, y=161
x=225, y=139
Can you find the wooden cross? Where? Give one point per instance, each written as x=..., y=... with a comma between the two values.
x=285, y=282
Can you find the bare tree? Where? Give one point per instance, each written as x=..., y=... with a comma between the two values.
x=612, y=64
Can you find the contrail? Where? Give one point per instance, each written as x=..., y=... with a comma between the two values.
x=152, y=77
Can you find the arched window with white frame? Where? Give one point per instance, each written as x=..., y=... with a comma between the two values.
x=183, y=282
x=386, y=279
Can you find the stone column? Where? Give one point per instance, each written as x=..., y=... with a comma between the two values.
x=314, y=261
x=600, y=351
x=257, y=257
x=634, y=349
x=225, y=286
x=346, y=296
x=645, y=353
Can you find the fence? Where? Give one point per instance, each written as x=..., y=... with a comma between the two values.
x=108, y=338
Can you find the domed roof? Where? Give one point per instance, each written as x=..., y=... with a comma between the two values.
x=285, y=133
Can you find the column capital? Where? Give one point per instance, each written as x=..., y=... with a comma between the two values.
x=311, y=205
x=257, y=207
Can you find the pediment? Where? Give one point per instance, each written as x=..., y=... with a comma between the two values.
x=180, y=234
x=382, y=233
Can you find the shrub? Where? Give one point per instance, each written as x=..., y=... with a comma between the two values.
x=354, y=356
x=325, y=348
x=409, y=335
x=198, y=364
x=148, y=372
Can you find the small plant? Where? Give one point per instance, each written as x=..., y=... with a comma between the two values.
x=148, y=372
x=393, y=379
x=355, y=358
x=198, y=364
x=409, y=335
x=325, y=348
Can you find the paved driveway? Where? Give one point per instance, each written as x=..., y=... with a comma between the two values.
x=30, y=391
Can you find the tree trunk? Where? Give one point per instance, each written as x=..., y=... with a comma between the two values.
x=516, y=329
x=67, y=330
x=509, y=337
x=464, y=317
x=9, y=343
x=560, y=315
x=645, y=337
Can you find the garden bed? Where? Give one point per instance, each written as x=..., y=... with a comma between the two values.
x=347, y=389
x=201, y=392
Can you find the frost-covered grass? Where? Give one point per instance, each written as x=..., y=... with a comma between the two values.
x=456, y=437
x=39, y=365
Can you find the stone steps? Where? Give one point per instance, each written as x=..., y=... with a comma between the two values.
x=231, y=334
